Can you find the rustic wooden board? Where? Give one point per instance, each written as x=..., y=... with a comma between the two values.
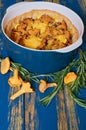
x=25, y=113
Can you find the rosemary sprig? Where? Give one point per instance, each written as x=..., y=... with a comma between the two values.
x=24, y=73
x=58, y=78
x=78, y=65
x=78, y=100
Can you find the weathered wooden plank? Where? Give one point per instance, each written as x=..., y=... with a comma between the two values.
x=30, y=111
x=82, y=4
x=15, y=112
x=66, y=112
x=22, y=114
x=71, y=111
x=61, y=112
x=1, y=4
x=3, y=103
x=55, y=1
x=12, y=112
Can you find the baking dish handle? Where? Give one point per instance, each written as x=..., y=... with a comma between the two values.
x=71, y=47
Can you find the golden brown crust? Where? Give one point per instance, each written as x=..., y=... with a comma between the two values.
x=37, y=14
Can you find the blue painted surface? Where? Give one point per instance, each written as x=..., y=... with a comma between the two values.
x=47, y=116
x=36, y=61
x=3, y=103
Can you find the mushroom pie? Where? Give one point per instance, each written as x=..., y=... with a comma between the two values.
x=42, y=30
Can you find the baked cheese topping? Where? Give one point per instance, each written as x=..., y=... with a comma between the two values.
x=43, y=32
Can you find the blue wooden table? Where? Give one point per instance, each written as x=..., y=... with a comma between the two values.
x=25, y=113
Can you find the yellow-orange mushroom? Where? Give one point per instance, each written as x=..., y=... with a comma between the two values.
x=26, y=88
x=5, y=65
x=44, y=85
x=15, y=80
x=70, y=77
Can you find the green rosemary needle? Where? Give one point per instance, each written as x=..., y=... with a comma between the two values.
x=78, y=100
x=79, y=67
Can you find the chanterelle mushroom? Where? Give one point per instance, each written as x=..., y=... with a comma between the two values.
x=26, y=88
x=70, y=77
x=5, y=65
x=44, y=85
x=15, y=80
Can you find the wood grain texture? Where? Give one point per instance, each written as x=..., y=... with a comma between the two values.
x=66, y=113
x=82, y=4
x=1, y=5
x=71, y=111
x=31, y=119
x=15, y=111
x=61, y=112
x=21, y=114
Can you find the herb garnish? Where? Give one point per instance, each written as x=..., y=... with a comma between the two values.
x=79, y=67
